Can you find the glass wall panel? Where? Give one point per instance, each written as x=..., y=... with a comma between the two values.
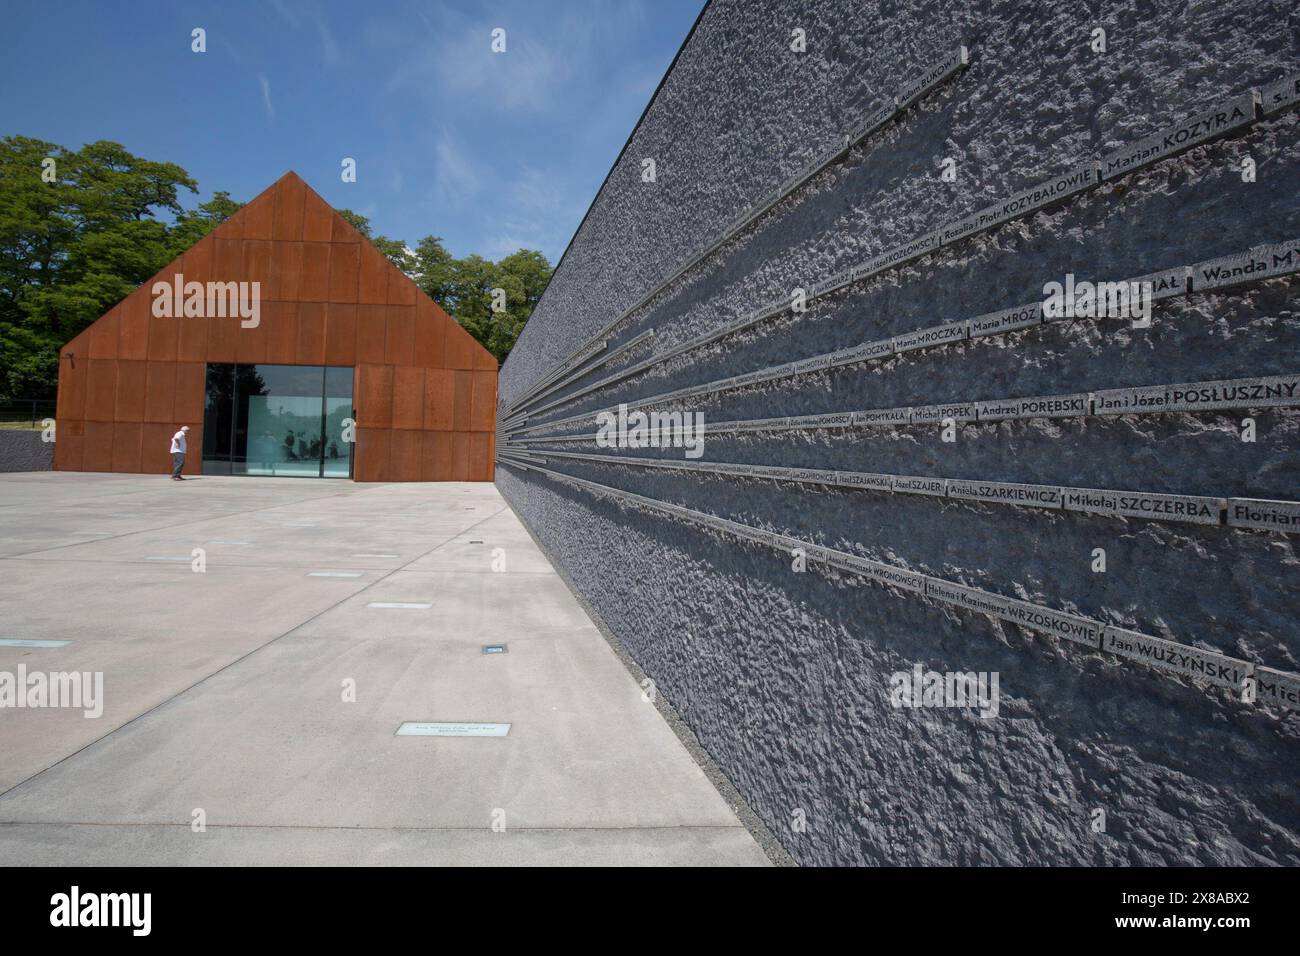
x=280, y=410
x=218, y=415
x=339, y=438
x=285, y=420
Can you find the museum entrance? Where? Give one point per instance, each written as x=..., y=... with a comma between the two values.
x=283, y=420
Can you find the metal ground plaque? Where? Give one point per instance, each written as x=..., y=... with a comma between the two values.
x=415, y=728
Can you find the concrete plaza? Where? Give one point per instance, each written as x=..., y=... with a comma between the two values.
x=226, y=690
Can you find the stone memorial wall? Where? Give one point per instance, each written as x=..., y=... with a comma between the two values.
x=913, y=457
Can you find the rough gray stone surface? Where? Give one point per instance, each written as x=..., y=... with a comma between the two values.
x=784, y=677
x=23, y=450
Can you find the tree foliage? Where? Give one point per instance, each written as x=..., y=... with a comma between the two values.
x=78, y=232
x=394, y=250
x=466, y=288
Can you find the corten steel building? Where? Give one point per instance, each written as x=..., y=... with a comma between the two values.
x=342, y=334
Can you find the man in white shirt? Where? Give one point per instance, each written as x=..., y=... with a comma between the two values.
x=178, y=453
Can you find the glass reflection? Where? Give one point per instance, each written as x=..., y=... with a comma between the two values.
x=283, y=420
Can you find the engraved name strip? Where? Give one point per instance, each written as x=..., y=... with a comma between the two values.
x=916, y=90
x=1254, y=265
x=1264, y=515
x=1253, y=514
x=1280, y=391
x=1272, y=391
x=1258, y=264
x=1136, y=504
x=1280, y=688
x=574, y=374
x=1198, y=129
x=1281, y=95
x=1193, y=131
x=1274, y=687
x=1176, y=658
x=582, y=355
x=1001, y=492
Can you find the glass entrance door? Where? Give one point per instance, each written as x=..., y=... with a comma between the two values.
x=284, y=420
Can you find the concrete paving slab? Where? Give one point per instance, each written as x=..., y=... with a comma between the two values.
x=584, y=750
x=229, y=690
x=151, y=630
x=98, y=845
x=494, y=606
x=501, y=544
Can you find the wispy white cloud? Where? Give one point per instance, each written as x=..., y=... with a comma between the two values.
x=456, y=177
x=286, y=12
x=505, y=149
x=539, y=213
x=329, y=48
x=536, y=192
x=528, y=75
x=266, y=96
x=295, y=13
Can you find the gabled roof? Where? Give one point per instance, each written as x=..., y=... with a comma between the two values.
x=301, y=251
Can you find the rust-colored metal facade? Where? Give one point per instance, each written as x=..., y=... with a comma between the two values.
x=423, y=388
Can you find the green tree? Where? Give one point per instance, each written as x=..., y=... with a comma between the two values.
x=434, y=270
x=466, y=289
x=193, y=226
x=77, y=234
x=394, y=250
x=358, y=222
x=524, y=275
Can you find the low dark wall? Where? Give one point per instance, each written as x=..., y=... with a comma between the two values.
x=23, y=450
x=785, y=676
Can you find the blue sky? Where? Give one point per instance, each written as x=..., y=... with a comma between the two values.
x=490, y=151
